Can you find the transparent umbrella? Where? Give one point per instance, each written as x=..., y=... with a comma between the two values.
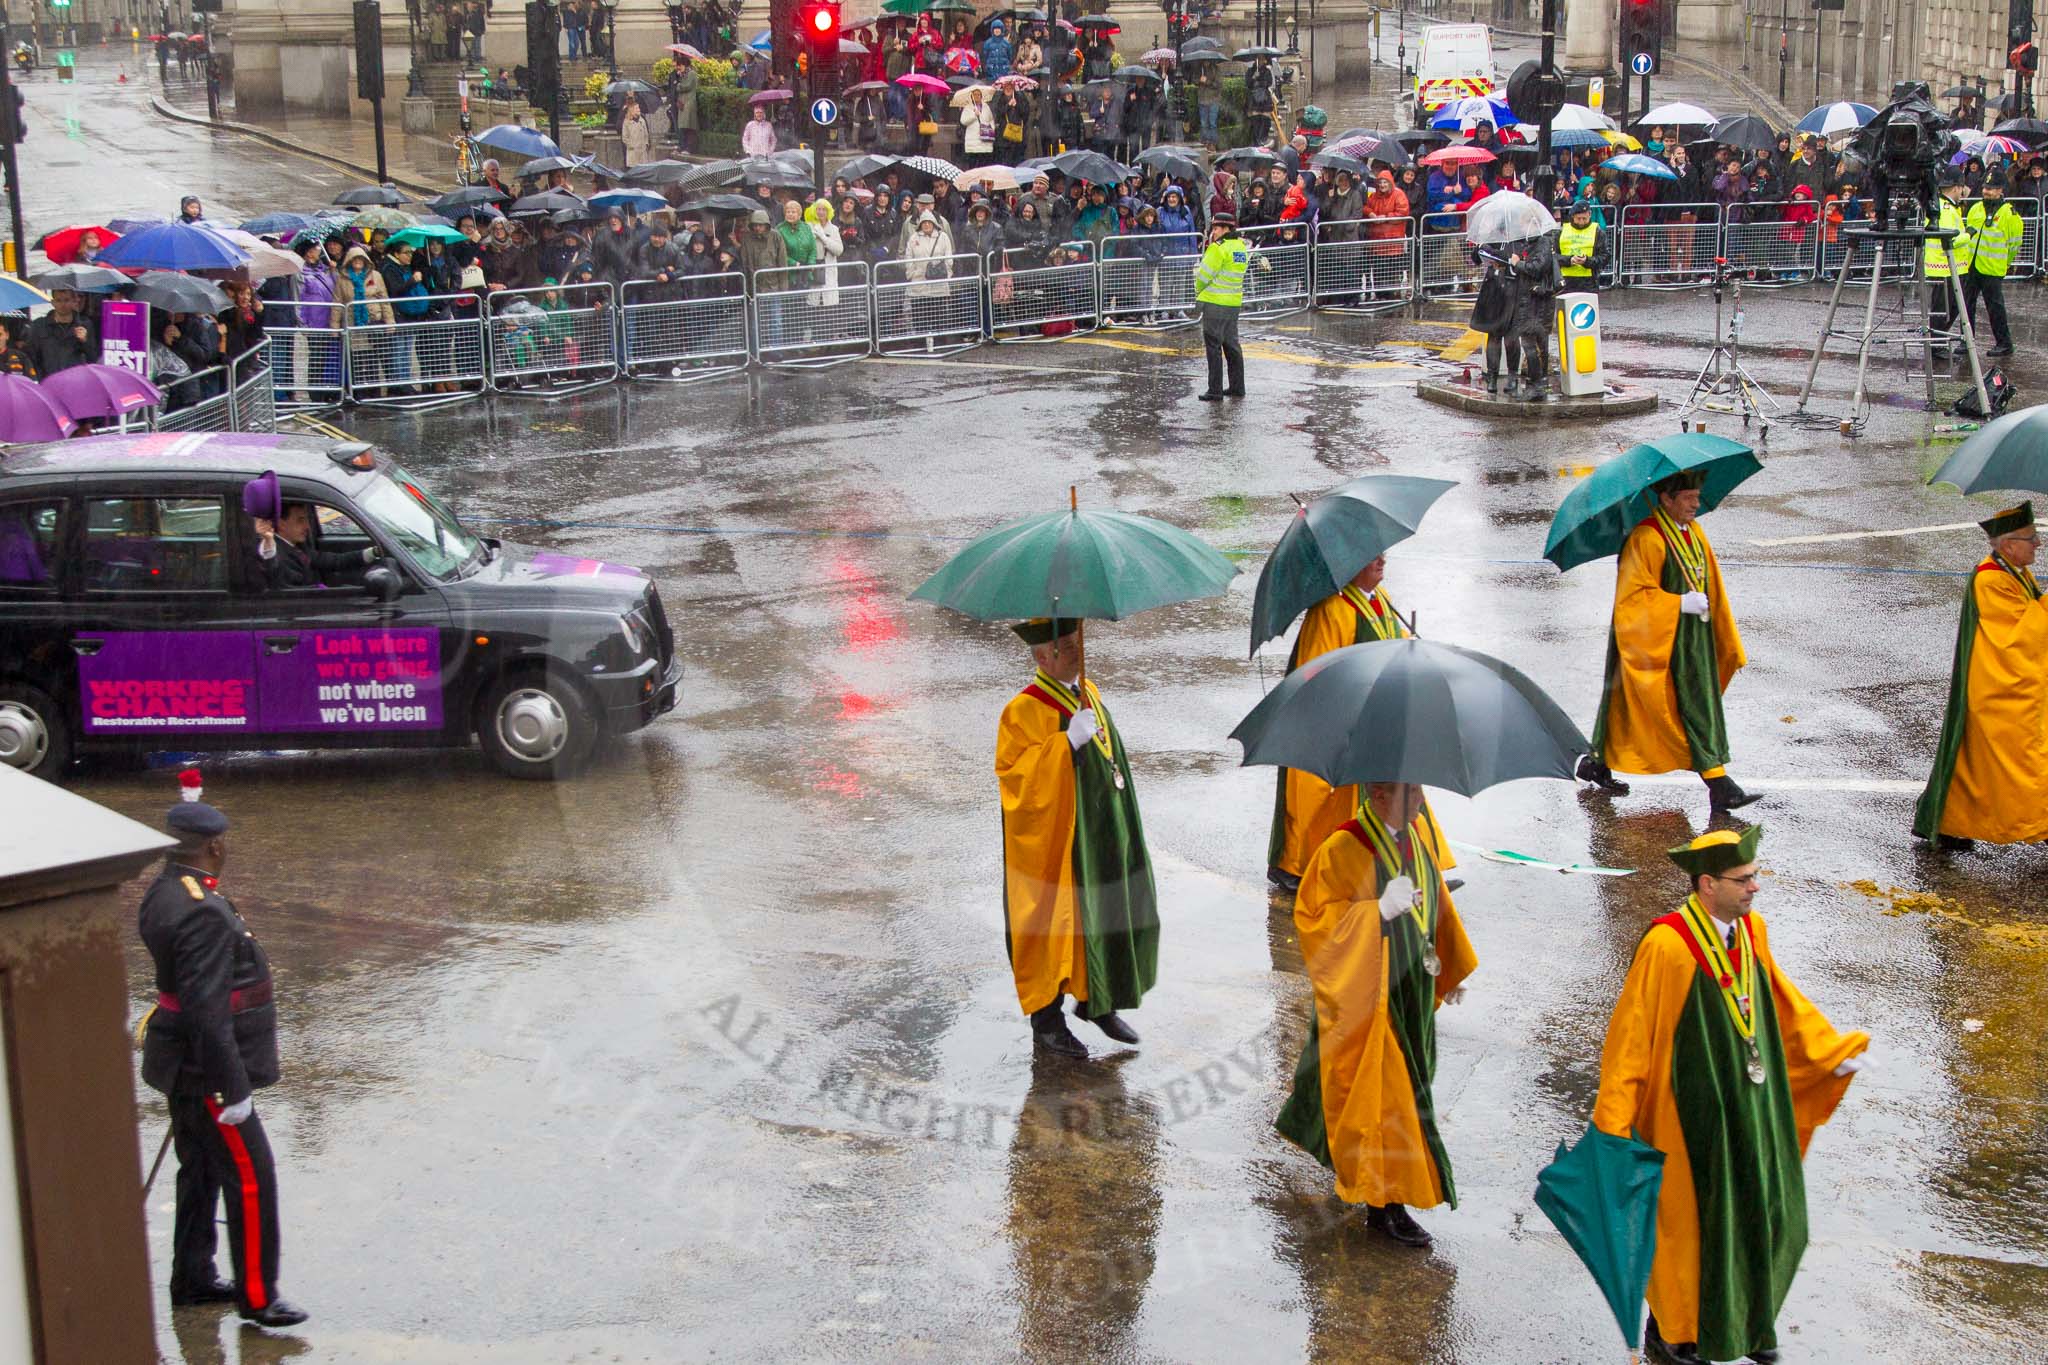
x=1508, y=216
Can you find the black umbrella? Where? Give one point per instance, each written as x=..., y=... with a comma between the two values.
x=629, y=87
x=1098, y=21
x=1373, y=149
x=1248, y=156
x=1417, y=138
x=2004, y=104
x=872, y=164
x=1327, y=160
x=1204, y=43
x=175, y=293
x=721, y=203
x=1197, y=56
x=365, y=195
x=1412, y=711
x=2030, y=130
x=1359, y=133
x=658, y=174
x=457, y=202
x=565, y=217
x=545, y=203
x=1746, y=131
x=1956, y=92
x=1246, y=54
x=776, y=175
x=1135, y=73
x=86, y=279
x=1093, y=167
x=713, y=175
x=543, y=164
x=1173, y=161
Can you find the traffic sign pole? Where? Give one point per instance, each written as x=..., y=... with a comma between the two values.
x=1641, y=63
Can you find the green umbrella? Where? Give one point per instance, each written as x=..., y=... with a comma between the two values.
x=1331, y=539
x=1602, y=1195
x=422, y=233
x=390, y=220
x=1095, y=566
x=906, y=6
x=950, y=6
x=1411, y=711
x=2008, y=452
x=1596, y=517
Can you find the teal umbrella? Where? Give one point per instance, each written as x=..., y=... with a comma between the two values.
x=2007, y=452
x=1602, y=1195
x=1331, y=539
x=1411, y=711
x=422, y=233
x=1596, y=517
x=1096, y=566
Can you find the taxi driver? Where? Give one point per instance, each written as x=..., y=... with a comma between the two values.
x=284, y=557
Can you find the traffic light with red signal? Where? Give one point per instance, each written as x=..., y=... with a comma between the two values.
x=817, y=26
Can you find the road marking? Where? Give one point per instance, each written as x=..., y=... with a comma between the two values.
x=1251, y=352
x=1869, y=535
x=1464, y=346
x=1873, y=785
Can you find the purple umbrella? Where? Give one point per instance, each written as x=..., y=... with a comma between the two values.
x=768, y=96
x=29, y=414
x=101, y=391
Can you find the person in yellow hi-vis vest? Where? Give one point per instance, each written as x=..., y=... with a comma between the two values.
x=1936, y=254
x=1219, y=289
x=1581, y=249
x=1995, y=232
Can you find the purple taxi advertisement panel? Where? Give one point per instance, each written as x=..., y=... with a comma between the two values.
x=165, y=682
x=342, y=680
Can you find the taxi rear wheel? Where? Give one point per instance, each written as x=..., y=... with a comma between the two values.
x=536, y=725
x=33, y=734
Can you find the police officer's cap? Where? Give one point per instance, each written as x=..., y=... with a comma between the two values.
x=1951, y=178
x=1581, y=206
x=1996, y=181
x=195, y=821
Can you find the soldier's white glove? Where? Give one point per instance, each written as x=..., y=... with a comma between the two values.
x=1694, y=604
x=237, y=1114
x=1082, y=727
x=1850, y=1067
x=1398, y=899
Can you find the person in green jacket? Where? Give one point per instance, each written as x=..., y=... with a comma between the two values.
x=1995, y=231
x=798, y=241
x=1219, y=289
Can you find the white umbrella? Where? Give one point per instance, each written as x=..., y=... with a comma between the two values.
x=987, y=178
x=1507, y=216
x=266, y=262
x=962, y=96
x=1685, y=114
x=1832, y=120
x=1580, y=117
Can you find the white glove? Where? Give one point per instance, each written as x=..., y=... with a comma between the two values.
x=1456, y=996
x=1694, y=604
x=237, y=1114
x=1850, y=1067
x=1397, y=899
x=1082, y=727
x=369, y=554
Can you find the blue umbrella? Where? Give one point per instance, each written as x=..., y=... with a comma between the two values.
x=278, y=224
x=173, y=246
x=17, y=297
x=1635, y=163
x=1602, y=1195
x=134, y=223
x=1495, y=112
x=640, y=201
x=762, y=42
x=513, y=140
x=1843, y=116
x=1569, y=138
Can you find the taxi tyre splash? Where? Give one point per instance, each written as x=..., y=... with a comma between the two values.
x=34, y=736
x=536, y=725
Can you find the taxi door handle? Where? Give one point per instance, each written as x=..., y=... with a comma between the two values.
x=83, y=648
x=280, y=644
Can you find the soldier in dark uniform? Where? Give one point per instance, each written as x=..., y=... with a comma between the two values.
x=208, y=1046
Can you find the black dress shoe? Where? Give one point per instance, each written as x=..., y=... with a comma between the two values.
x=1949, y=843
x=1999, y=351
x=1724, y=795
x=1113, y=1026
x=1399, y=1224
x=1283, y=879
x=276, y=1313
x=1454, y=884
x=1209, y=397
x=1766, y=1355
x=1664, y=1352
x=1233, y=393
x=187, y=1296
x=1049, y=1031
x=1600, y=775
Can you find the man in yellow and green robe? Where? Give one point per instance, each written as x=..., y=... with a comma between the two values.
x=1306, y=809
x=1384, y=948
x=1672, y=650
x=1990, y=778
x=1081, y=916
x=1717, y=1060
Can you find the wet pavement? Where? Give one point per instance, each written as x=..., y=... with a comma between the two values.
x=713, y=1052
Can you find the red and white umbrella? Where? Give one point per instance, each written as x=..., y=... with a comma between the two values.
x=1165, y=56
x=1458, y=156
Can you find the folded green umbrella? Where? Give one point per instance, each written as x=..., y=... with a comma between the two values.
x=2008, y=452
x=422, y=233
x=1331, y=539
x=1595, y=518
x=1094, y=566
x=1602, y=1195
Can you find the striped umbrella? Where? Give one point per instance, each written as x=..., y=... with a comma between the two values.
x=1831, y=120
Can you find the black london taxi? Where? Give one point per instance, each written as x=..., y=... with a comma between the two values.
x=139, y=612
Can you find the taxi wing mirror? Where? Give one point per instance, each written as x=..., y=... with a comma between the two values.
x=382, y=582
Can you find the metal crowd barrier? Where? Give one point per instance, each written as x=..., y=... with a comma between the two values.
x=202, y=399
x=935, y=300
x=563, y=338
x=2026, y=258
x=252, y=400
x=308, y=368
x=1146, y=284
x=696, y=329
x=1444, y=266
x=1047, y=301
x=1365, y=265
x=800, y=324
x=1770, y=249
x=416, y=362
x=1279, y=280
x=1659, y=250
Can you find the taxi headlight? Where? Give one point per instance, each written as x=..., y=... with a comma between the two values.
x=639, y=635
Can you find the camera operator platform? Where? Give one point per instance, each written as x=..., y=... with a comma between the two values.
x=1905, y=148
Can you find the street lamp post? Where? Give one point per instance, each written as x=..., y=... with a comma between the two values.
x=1784, y=45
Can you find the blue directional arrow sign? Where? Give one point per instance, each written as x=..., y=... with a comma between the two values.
x=1640, y=63
x=824, y=112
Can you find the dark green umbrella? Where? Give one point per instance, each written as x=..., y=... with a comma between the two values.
x=1411, y=711
x=1602, y=1195
x=2007, y=452
x=1331, y=539
x=1596, y=517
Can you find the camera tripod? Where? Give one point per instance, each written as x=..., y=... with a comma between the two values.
x=1723, y=374
x=1911, y=332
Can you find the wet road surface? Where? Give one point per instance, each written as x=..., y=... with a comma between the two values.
x=713, y=1053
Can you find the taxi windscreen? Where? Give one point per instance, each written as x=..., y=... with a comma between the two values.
x=415, y=518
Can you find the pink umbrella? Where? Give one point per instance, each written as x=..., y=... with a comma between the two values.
x=1164, y=55
x=1461, y=155
x=101, y=391
x=917, y=80
x=768, y=96
x=685, y=50
x=29, y=414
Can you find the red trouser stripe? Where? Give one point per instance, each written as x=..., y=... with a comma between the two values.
x=252, y=1211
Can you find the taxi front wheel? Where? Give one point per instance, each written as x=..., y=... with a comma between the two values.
x=33, y=734
x=536, y=725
